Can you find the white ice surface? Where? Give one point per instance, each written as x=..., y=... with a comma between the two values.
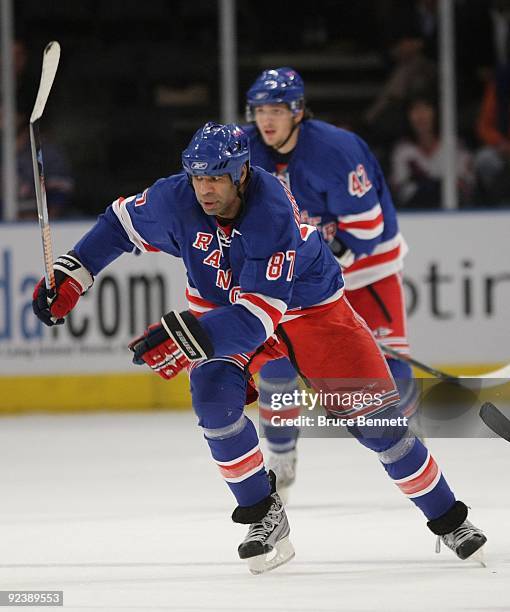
x=128, y=512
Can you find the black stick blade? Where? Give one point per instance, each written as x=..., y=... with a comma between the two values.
x=495, y=420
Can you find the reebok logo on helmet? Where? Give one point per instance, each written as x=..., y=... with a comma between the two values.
x=199, y=165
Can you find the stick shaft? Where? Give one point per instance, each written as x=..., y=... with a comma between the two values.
x=42, y=206
x=495, y=378
x=51, y=58
x=418, y=364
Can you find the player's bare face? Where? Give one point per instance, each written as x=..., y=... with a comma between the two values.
x=217, y=195
x=275, y=123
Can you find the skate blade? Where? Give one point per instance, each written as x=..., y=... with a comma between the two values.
x=281, y=553
x=479, y=556
x=284, y=494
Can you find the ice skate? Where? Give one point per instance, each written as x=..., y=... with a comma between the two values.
x=267, y=543
x=465, y=540
x=284, y=467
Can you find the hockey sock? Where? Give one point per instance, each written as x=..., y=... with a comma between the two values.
x=236, y=451
x=279, y=397
x=219, y=391
x=413, y=469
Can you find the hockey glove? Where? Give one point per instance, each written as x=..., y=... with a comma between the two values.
x=71, y=281
x=170, y=346
x=343, y=254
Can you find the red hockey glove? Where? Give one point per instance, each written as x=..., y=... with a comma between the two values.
x=271, y=349
x=71, y=281
x=170, y=346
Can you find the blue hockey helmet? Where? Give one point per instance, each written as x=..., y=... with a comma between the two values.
x=276, y=86
x=217, y=149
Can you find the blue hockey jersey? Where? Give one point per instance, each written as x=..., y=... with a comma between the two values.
x=340, y=188
x=244, y=278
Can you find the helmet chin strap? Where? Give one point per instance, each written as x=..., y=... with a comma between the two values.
x=284, y=142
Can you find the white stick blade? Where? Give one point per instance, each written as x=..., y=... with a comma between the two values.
x=51, y=57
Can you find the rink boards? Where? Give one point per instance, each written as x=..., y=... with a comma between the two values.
x=457, y=283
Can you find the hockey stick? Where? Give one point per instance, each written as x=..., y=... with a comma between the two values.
x=51, y=58
x=500, y=376
x=495, y=420
x=418, y=364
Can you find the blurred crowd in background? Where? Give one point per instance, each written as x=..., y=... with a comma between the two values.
x=136, y=80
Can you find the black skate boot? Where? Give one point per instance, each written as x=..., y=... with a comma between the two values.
x=456, y=532
x=284, y=467
x=267, y=544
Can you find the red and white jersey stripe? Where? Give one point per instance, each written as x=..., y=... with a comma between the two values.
x=242, y=467
x=422, y=481
x=119, y=207
x=197, y=304
x=400, y=344
x=306, y=230
x=365, y=225
x=386, y=259
x=240, y=360
x=268, y=310
x=294, y=313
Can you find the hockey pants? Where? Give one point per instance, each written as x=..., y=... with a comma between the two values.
x=336, y=352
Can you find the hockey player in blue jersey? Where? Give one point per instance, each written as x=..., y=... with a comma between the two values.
x=261, y=285
x=340, y=189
